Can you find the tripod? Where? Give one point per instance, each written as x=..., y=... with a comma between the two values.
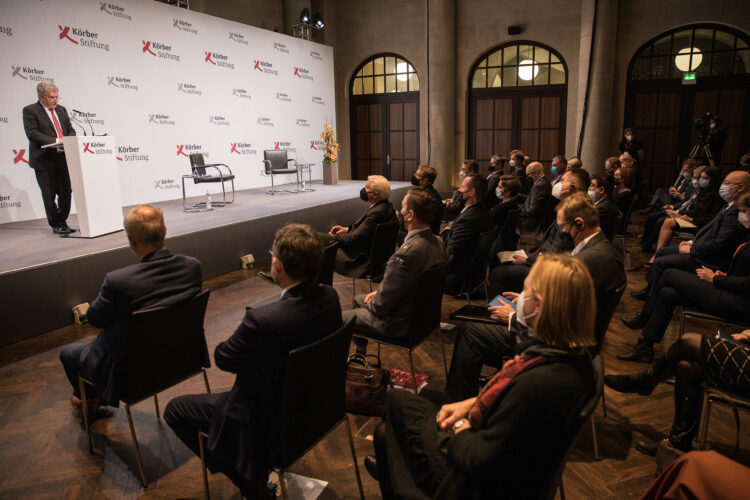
x=702, y=146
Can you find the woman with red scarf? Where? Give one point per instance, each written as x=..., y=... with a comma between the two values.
x=509, y=440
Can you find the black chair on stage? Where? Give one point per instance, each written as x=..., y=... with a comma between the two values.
x=199, y=176
x=174, y=333
x=383, y=246
x=277, y=163
x=319, y=399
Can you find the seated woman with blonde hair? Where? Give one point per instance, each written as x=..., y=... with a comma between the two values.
x=509, y=440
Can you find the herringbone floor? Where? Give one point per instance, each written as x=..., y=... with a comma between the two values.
x=43, y=450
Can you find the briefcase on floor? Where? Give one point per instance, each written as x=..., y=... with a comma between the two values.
x=366, y=386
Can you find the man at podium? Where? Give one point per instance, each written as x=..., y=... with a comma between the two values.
x=46, y=123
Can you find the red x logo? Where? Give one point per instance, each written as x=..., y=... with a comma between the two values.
x=118, y=158
x=276, y=145
x=86, y=148
x=180, y=151
x=257, y=66
x=19, y=156
x=296, y=72
x=234, y=148
x=208, y=58
x=146, y=47
x=64, y=33
x=312, y=145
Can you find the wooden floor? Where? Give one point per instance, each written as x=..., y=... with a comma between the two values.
x=43, y=450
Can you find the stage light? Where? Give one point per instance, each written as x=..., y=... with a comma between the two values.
x=304, y=16
x=318, y=21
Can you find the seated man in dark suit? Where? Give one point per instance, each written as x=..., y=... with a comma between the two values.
x=243, y=425
x=532, y=210
x=713, y=244
x=462, y=236
x=355, y=241
x=388, y=310
x=600, y=190
x=454, y=205
x=160, y=278
x=425, y=177
x=483, y=343
x=496, y=170
x=681, y=189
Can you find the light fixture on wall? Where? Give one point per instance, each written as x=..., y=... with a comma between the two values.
x=304, y=17
x=303, y=28
x=683, y=61
x=318, y=21
x=527, y=69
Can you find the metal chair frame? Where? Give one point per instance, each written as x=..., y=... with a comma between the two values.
x=281, y=171
x=196, y=176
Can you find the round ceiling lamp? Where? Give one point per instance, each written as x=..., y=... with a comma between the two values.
x=683, y=62
x=527, y=69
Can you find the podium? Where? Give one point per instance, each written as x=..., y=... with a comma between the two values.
x=94, y=177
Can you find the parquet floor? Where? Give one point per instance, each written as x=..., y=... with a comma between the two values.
x=43, y=450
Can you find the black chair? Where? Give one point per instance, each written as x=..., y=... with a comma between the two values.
x=507, y=237
x=311, y=406
x=688, y=313
x=717, y=395
x=325, y=275
x=477, y=275
x=531, y=238
x=174, y=333
x=277, y=163
x=623, y=234
x=424, y=320
x=383, y=246
x=199, y=176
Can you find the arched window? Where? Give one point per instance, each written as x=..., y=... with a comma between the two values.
x=517, y=96
x=384, y=118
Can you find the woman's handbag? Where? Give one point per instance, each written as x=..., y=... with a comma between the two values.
x=366, y=387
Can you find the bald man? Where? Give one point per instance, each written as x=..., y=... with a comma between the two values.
x=532, y=210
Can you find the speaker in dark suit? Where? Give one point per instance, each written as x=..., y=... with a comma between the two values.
x=45, y=123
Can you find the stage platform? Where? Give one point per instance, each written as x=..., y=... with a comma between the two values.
x=42, y=276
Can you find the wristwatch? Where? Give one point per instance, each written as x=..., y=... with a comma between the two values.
x=459, y=424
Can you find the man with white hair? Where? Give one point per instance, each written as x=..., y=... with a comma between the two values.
x=46, y=123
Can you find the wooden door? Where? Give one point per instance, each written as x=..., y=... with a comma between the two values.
x=403, y=140
x=367, y=139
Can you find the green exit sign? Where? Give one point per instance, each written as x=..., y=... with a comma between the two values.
x=688, y=78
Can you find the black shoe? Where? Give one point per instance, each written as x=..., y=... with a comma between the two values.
x=641, y=352
x=66, y=226
x=647, y=446
x=371, y=464
x=62, y=231
x=641, y=294
x=640, y=383
x=635, y=322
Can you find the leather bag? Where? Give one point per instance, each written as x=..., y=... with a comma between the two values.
x=366, y=387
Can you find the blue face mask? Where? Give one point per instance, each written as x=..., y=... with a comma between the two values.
x=703, y=183
x=553, y=170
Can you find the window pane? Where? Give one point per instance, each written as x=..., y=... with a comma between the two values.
x=493, y=77
x=413, y=82
x=524, y=71
x=482, y=63
x=542, y=78
x=509, y=55
x=556, y=74
x=722, y=63
x=703, y=39
x=702, y=69
x=525, y=52
x=357, y=87
x=367, y=69
x=479, y=81
x=378, y=66
x=741, y=62
x=681, y=40
x=660, y=66
x=740, y=43
x=509, y=76
x=646, y=51
x=541, y=55
x=402, y=83
x=367, y=85
x=724, y=41
x=390, y=83
x=390, y=65
x=379, y=84
x=641, y=68
x=662, y=46
x=495, y=58
x=553, y=58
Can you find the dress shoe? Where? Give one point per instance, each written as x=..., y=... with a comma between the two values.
x=647, y=446
x=371, y=464
x=66, y=226
x=635, y=322
x=641, y=294
x=641, y=352
x=62, y=231
x=640, y=383
x=92, y=405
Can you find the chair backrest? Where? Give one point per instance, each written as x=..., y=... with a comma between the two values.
x=478, y=265
x=383, y=246
x=604, y=316
x=509, y=234
x=550, y=212
x=165, y=345
x=628, y=214
x=312, y=400
x=426, y=316
x=196, y=163
x=325, y=275
x=275, y=159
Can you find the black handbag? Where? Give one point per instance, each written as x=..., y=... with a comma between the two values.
x=366, y=386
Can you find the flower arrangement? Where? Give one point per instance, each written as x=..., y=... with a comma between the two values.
x=332, y=146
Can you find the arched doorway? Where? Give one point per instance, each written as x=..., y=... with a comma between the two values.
x=661, y=103
x=517, y=99
x=384, y=118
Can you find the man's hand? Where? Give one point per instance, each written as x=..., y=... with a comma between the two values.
x=519, y=259
x=501, y=312
x=451, y=413
x=671, y=213
x=512, y=296
x=369, y=296
x=705, y=274
x=743, y=337
x=338, y=230
x=447, y=200
x=685, y=246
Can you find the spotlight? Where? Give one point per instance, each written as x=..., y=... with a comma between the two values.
x=318, y=21
x=304, y=16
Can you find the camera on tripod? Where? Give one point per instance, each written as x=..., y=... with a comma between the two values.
x=702, y=128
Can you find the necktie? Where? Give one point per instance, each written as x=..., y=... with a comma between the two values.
x=57, y=123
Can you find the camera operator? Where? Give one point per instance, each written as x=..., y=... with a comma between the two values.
x=711, y=132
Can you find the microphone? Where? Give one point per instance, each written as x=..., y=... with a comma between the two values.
x=91, y=126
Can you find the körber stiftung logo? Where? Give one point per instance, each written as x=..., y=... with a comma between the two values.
x=303, y=73
x=242, y=148
x=30, y=73
x=86, y=118
x=241, y=93
x=217, y=59
x=188, y=149
x=6, y=30
x=280, y=47
x=237, y=38
x=301, y=122
x=317, y=145
x=121, y=82
x=264, y=67
x=130, y=153
x=264, y=121
x=184, y=26
x=6, y=201
x=281, y=96
x=84, y=37
x=316, y=55
x=158, y=49
x=160, y=119
x=317, y=100
x=166, y=184
x=189, y=88
x=114, y=10
x=284, y=145
x=19, y=156
x=4, y=119
x=218, y=120
x=96, y=148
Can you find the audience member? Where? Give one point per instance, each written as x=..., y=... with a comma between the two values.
x=496, y=167
x=160, y=278
x=243, y=424
x=454, y=205
x=355, y=241
x=510, y=199
x=491, y=443
x=425, y=177
x=532, y=210
x=623, y=194
x=630, y=145
x=611, y=164
x=462, y=236
x=726, y=294
x=518, y=168
x=717, y=136
x=558, y=168
x=575, y=162
x=681, y=189
x=600, y=192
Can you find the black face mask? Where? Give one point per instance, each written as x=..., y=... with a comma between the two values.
x=566, y=239
x=491, y=168
x=401, y=221
x=363, y=195
x=414, y=180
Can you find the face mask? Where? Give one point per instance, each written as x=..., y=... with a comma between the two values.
x=703, y=183
x=592, y=195
x=617, y=181
x=744, y=219
x=712, y=125
x=696, y=183
x=462, y=175
x=724, y=192
x=553, y=170
x=414, y=180
x=628, y=138
x=512, y=163
x=686, y=174
x=522, y=317
x=556, y=190
x=363, y=194
x=491, y=168
x=499, y=193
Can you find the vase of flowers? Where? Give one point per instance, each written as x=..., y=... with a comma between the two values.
x=331, y=155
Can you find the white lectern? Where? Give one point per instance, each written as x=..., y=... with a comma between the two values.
x=92, y=163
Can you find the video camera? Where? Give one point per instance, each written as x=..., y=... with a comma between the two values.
x=701, y=126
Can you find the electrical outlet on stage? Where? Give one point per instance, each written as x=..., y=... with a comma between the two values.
x=247, y=261
x=79, y=313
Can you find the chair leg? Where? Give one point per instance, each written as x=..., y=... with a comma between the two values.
x=682, y=324
x=84, y=410
x=706, y=416
x=413, y=373
x=156, y=405
x=354, y=286
x=354, y=457
x=604, y=405
x=201, y=446
x=596, y=443
x=205, y=380
x=282, y=482
x=137, y=448
x=562, y=489
x=442, y=349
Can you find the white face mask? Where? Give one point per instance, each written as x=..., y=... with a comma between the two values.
x=512, y=163
x=523, y=318
x=592, y=194
x=744, y=219
x=724, y=192
x=628, y=137
x=499, y=193
x=557, y=190
x=695, y=183
x=462, y=175
x=712, y=125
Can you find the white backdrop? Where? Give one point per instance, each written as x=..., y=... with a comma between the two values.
x=165, y=82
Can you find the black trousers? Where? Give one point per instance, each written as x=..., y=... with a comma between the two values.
x=55, y=183
x=669, y=258
x=508, y=278
x=72, y=357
